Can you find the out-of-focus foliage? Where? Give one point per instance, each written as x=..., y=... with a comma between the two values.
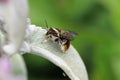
x=98, y=42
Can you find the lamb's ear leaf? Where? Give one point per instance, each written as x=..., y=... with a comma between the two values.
x=70, y=61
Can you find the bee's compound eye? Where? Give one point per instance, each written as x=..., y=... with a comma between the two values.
x=63, y=39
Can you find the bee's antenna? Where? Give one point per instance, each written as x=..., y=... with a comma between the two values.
x=46, y=24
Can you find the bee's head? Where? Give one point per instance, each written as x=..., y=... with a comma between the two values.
x=65, y=36
x=64, y=39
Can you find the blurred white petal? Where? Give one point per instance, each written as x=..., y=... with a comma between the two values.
x=14, y=14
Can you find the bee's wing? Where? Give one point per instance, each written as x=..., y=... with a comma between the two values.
x=72, y=35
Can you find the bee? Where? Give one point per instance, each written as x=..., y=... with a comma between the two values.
x=62, y=37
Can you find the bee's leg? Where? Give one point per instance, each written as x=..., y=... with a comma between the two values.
x=63, y=48
x=45, y=39
x=61, y=45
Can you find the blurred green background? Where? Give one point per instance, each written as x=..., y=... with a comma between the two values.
x=98, y=24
